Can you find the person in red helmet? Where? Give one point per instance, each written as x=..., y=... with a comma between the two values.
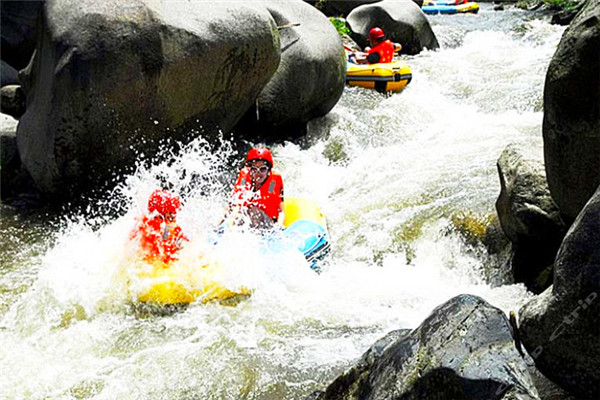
x=258, y=190
x=159, y=235
x=381, y=50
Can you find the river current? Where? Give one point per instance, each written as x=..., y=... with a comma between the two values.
x=396, y=176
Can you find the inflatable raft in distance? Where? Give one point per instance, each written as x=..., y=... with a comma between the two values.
x=305, y=230
x=383, y=77
x=449, y=7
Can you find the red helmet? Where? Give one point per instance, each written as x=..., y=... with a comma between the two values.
x=376, y=33
x=260, y=153
x=163, y=202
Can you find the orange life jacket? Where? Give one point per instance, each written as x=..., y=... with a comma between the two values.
x=385, y=50
x=159, y=240
x=268, y=198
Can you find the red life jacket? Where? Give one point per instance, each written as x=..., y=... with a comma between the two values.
x=159, y=240
x=385, y=50
x=268, y=198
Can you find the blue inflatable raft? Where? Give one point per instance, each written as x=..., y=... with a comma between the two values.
x=449, y=7
x=305, y=230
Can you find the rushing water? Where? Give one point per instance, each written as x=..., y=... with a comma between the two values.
x=393, y=175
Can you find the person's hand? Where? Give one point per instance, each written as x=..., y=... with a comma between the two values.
x=360, y=57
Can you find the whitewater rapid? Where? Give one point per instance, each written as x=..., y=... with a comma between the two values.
x=390, y=173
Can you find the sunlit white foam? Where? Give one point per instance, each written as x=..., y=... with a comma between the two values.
x=494, y=69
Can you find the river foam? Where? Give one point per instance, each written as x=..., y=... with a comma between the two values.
x=391, y=174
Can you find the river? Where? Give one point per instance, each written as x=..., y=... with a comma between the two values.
x=395, y=176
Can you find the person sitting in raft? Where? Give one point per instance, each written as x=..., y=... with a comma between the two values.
x=258, y=192
x=381, y=50
x=159, y=235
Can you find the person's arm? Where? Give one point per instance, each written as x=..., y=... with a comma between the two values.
x=231, y=214
x=358, y=57
x=178, y=235
x=281, y=216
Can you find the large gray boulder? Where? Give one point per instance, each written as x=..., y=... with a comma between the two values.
x=571, y=125
x=12, y=100
x=401, y=20
x=338, y=8
x=111, y=78
x=463, y=350
x=9, y=75
x=19, y=30
x=561, y=328
x=16, y=187
x=8, y=149
x=310, y=78
x=528, y=217
x=9, y=155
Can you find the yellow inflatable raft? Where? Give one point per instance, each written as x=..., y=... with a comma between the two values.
x=299, y=209
x=388, y=77
x=180, y=283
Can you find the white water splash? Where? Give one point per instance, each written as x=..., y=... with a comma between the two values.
x=406, y=165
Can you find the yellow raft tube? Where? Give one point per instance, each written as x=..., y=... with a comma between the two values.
x=299, y=209
x=179, y=283
x=383, y=77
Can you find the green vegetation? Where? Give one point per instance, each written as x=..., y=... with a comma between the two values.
x=562, y=4
x=549, y=4
x=340, y=25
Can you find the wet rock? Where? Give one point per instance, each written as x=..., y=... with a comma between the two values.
x=16, y=187
x=309, y=80
x=10, y=76
x=547, y=389
x=495, y=240
x=12, y=100
x=565, y=17
x=571, y=125
x=529, y=218
x=9, y=155
x=561, y=327
x=337, y=8
x=402, y=21
x=111, y=79
x=315, y=395
x=463, y=350
x=19, y=28
x=498, y=266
